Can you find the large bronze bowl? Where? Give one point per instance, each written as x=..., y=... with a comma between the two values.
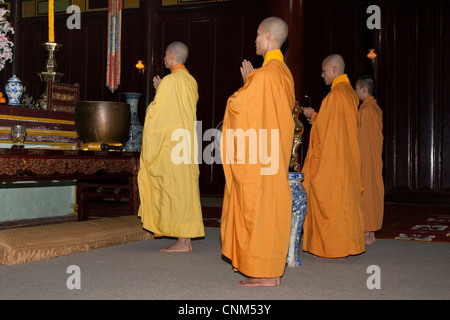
x=102, y=121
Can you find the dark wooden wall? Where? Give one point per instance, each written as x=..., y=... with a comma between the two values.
x=413, y=85
x=330, y=26
x=82, y=57
x=411, y=68
x=219, y=37
x=413, y=76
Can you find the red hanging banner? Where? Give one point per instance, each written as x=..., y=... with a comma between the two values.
x=114, y=44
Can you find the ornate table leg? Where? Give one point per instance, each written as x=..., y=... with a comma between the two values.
x=82, y=201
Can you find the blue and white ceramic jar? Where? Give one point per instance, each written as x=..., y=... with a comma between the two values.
x=299, y=203
x=14, y=90
x=134, y=142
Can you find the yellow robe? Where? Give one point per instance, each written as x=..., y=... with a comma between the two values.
x=334, y=225
x=370, y=135
x=257, y=205
x=168, y=189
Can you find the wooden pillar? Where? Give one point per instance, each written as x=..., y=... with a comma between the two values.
x=147, y=38
x=146, y=50
x=291, y=11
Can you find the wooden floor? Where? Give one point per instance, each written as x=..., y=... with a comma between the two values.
x=396, y=216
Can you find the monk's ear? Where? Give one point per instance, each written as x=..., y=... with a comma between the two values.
x=335, y=69
x=365, y=90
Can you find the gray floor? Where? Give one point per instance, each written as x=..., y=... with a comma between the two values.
x=137, y=270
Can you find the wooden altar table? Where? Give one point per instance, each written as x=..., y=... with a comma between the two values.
x=86, y=167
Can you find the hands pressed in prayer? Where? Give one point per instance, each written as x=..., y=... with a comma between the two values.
x=156, y=81
x=246, y=69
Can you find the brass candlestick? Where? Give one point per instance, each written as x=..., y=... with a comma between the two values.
x=50, y=74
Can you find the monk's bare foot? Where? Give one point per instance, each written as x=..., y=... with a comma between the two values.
x=260, y=282
x=182, y=245
x=370, y=237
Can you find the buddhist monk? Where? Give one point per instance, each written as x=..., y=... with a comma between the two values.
x=167, y=179
x=334, y=225
x=370, y=137
x=257, y=205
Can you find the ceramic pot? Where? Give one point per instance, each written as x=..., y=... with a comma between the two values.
x=299, y=202
x=134, y=142
x=14, y=91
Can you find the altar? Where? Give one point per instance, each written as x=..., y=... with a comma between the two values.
x=51, y=177
x=82, y=166
x=46, y=129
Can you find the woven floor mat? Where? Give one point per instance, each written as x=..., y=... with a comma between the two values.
x=27, y=244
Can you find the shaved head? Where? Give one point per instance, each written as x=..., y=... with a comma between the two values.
x=332, y=67
x=335, y=60
x=180, y=50
x=277, y=27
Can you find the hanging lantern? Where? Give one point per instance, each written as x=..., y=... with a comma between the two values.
x=140, y=66
x=372, y=55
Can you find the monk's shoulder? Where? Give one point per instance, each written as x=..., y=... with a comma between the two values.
x=182, y=77
x=276, y=66
x=187, y=75
x=167, y=80
x=370, y=108
x=375, y=107
x=272, y=71
x=343, y=91
x=343, y=88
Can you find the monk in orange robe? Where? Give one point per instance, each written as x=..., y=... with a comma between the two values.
x=257, y=205
x=334, y=225
x=370, y=137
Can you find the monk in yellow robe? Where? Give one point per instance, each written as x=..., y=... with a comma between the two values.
x=370, y=137
x=334, y=225
x=168, y=174
x=257, y=205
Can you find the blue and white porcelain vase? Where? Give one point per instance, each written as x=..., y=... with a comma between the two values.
x=299, y=203
x=14, y=91
x=134, y=142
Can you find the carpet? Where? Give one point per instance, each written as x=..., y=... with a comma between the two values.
x=433, y=228
x=28, y=244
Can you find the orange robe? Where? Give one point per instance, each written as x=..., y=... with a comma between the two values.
x=334, y=225
x=257, y=205
x=370, y=135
